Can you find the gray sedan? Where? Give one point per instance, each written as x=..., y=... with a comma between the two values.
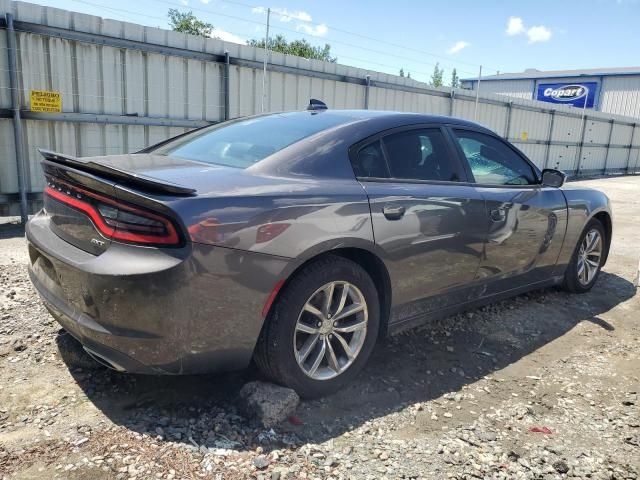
x=299, y=239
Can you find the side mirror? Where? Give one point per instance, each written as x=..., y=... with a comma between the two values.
x=553, y=178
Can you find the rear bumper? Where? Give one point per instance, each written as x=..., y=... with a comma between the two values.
x=194, y=309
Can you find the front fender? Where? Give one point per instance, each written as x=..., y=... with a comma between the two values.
x=583, y=204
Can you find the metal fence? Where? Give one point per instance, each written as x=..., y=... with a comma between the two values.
x=124, y=86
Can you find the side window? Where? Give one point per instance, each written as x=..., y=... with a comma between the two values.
x=370, y=162
x=420, y=155
x=492, y=162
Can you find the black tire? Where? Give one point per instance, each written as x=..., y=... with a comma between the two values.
x=275, y=355
x=571, y=281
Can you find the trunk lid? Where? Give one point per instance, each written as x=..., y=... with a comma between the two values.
x=81, y=198
x=132, y=169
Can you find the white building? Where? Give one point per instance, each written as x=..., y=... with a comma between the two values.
x=609, y=90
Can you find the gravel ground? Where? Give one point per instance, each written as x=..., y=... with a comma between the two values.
x=542, y=386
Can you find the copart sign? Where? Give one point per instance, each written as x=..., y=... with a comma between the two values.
x=577, y=94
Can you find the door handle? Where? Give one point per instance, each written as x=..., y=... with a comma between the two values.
x=393, y=213
x=498, y=214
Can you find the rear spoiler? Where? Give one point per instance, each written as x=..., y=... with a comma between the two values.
x=147, y=183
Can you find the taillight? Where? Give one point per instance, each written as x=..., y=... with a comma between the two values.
x=114, y=219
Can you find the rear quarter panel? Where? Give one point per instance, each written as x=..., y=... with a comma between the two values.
x=307, y=214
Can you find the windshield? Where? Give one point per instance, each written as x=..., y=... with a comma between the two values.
x=243, y=143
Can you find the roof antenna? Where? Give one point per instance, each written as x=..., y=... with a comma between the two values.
x=316, y=105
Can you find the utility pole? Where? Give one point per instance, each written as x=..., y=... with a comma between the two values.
x=266, y=55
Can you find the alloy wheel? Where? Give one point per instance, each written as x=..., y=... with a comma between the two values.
x=331, y=330
x=589, y=257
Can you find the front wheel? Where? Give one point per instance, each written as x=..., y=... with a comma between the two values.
x=322, y=328
x=584, y=268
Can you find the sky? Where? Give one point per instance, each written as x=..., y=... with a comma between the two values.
x=502, y=36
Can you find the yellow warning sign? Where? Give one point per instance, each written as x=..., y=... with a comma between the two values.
x=46, y=101
x=524, y=136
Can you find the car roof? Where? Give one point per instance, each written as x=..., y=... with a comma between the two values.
x=388, y=118
x=315, y=155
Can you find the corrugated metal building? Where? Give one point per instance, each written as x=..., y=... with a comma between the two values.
x=608, y=90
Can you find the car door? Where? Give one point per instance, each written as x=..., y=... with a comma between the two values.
x=526, y=220
x=429, y=225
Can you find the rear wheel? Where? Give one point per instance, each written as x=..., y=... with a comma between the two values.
x=584, y=268
x=323, y=328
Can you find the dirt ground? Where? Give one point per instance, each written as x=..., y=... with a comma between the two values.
x=542, y=386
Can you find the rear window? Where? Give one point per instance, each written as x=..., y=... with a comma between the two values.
x=244, y=143
x=370, y=162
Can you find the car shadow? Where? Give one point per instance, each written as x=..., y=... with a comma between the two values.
x=413, y=367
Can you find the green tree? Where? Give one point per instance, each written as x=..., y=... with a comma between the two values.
x=187, y=22
x=301, y=48
x=455, y=80
x=436, y=76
